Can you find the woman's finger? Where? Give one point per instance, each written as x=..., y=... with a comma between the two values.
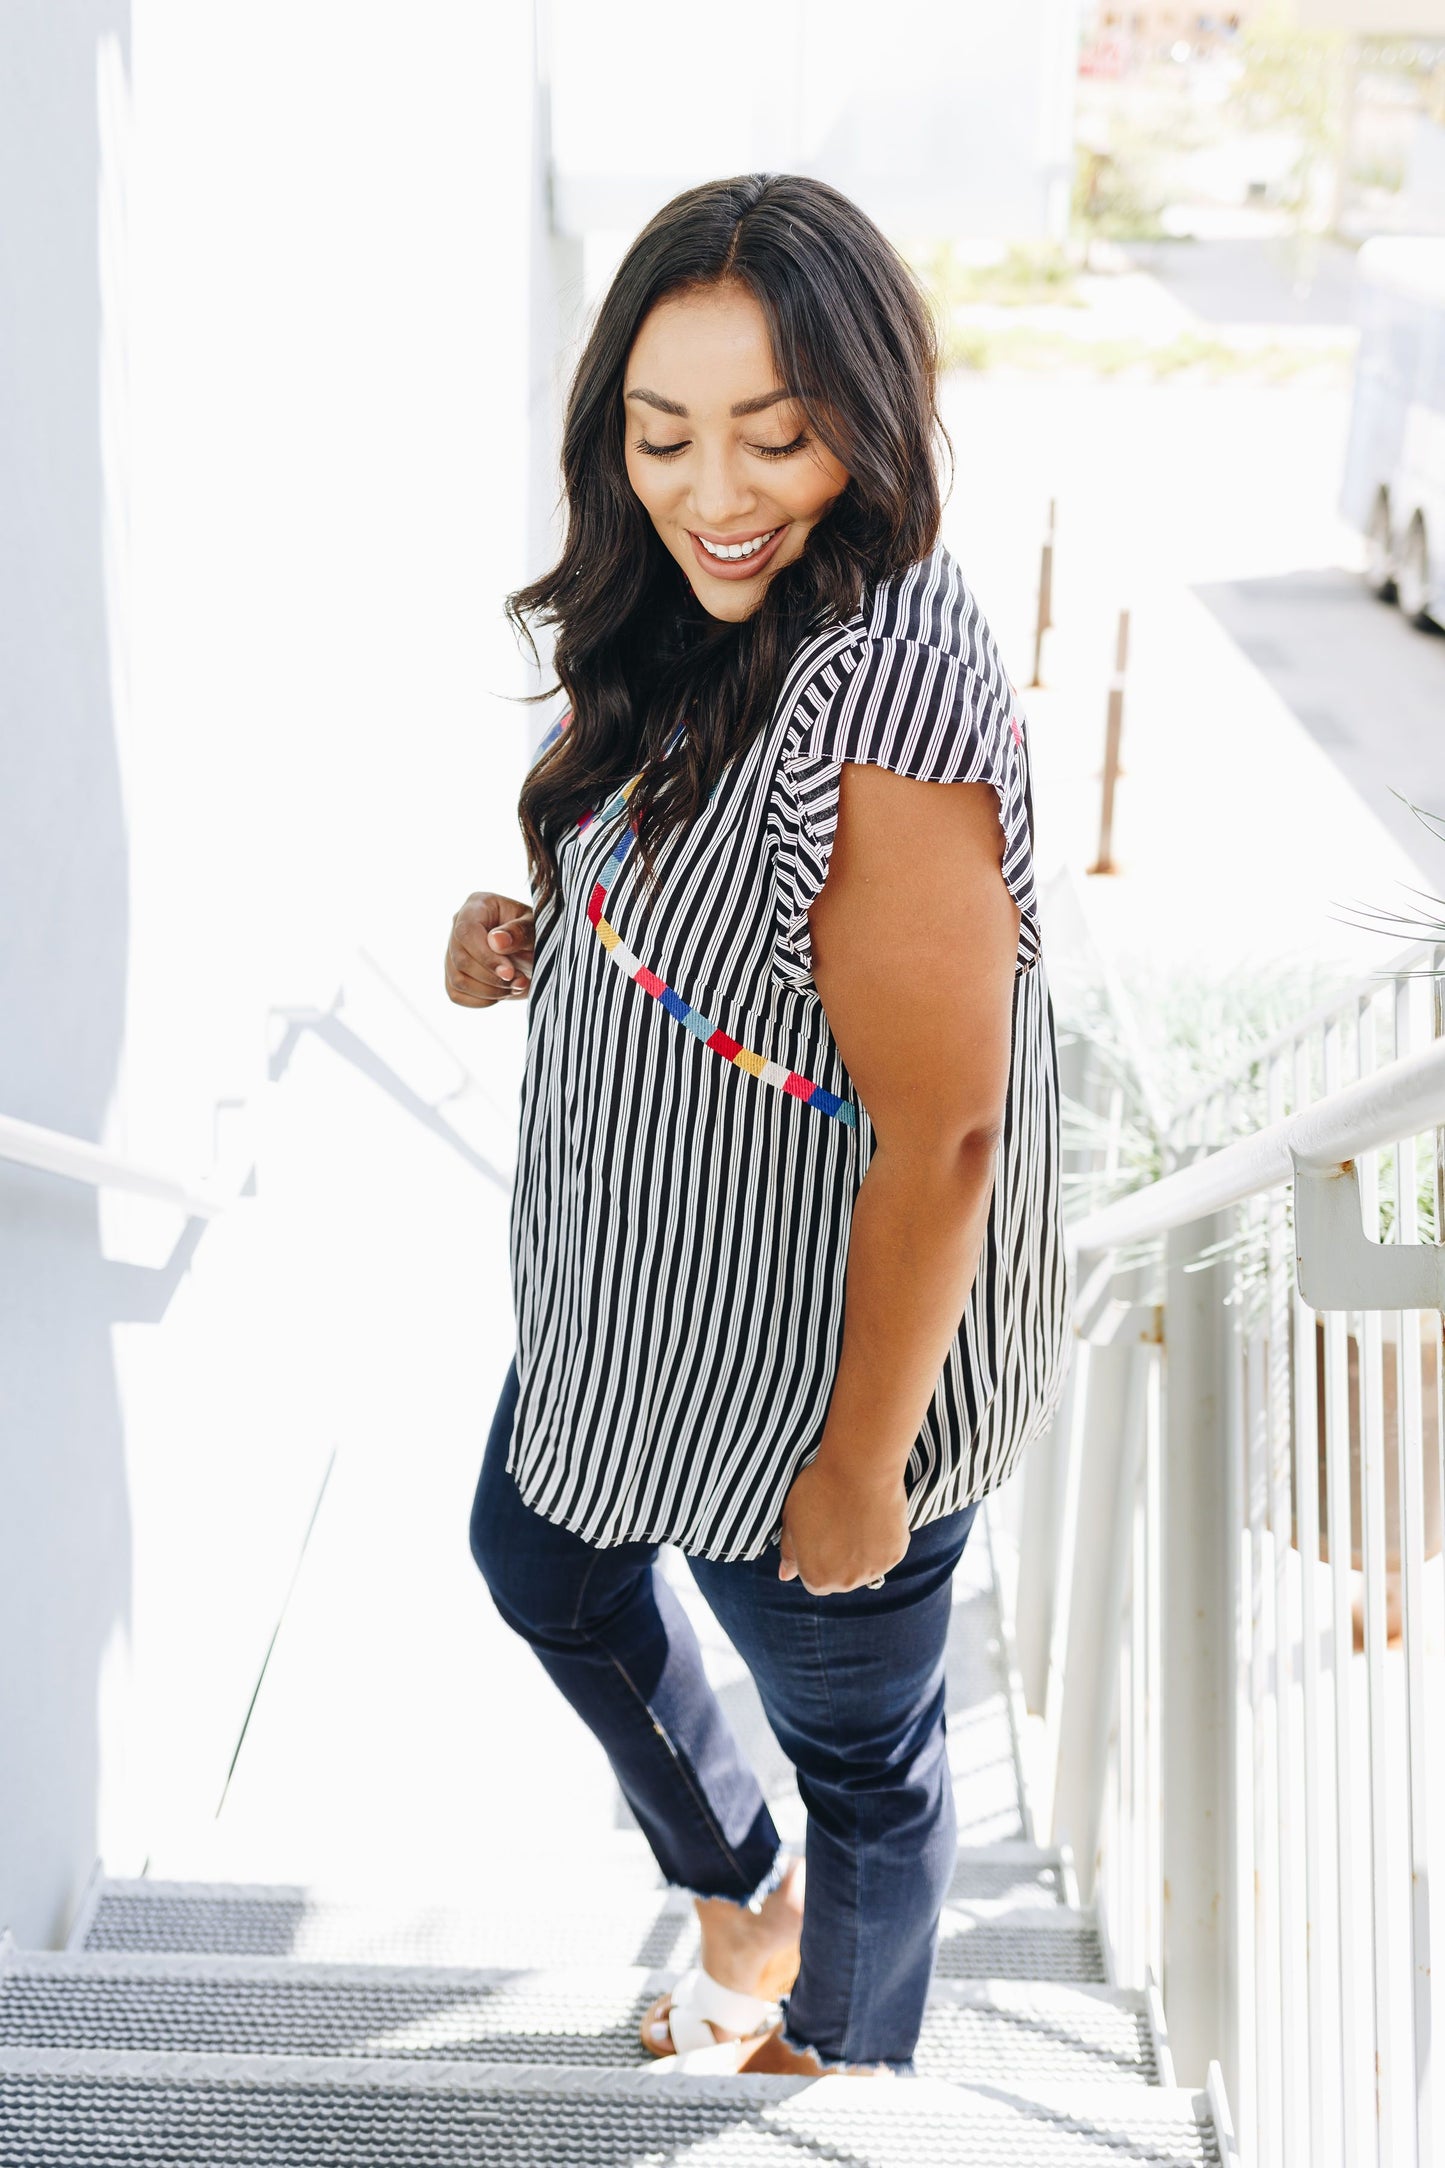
x=465, y=974
x=514, y=937
x=477, y=989
x=509, y=964
x=482, y=956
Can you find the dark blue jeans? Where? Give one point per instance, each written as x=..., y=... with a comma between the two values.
x=853, y=1687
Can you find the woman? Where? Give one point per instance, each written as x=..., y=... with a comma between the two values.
x=784, y=1240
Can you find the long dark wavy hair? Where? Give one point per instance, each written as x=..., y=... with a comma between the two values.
x=634, y=652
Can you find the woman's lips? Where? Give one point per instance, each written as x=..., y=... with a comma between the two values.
x=736, y=568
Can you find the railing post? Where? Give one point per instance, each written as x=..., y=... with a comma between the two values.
x=1044, y=620
x=1113, y=738
x=1043, y=1478
x=1045, y=1473
x=1108, y=1445
x=1200, y=1524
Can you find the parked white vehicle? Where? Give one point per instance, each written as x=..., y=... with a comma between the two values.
x=1394, y=481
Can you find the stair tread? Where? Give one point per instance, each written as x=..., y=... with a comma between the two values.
x=623, y=1854
x=1018, y=1928
x=153, y=2002
x=111, y=2107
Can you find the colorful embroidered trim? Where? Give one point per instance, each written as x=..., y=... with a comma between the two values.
x=1013, y=712
x=693, y=1020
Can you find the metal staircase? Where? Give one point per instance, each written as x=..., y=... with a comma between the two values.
x=189, y=2024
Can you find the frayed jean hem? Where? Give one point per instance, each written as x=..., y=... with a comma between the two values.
x=828, y=2065
x=752, y=1903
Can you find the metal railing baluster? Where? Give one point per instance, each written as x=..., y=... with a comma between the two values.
x=1269, y=2045
x=1372, y=1494
x=1342, y=1647
x=1409, y=1403
x=1119, y=1750
x=1293, y=2073
x=1135, y=1730
x=1239, y=1878
x=1324, y=2127
x=1154, y=1662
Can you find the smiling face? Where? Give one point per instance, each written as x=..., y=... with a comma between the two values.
x=718, y=450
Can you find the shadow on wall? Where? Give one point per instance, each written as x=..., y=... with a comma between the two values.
x=65, y=1551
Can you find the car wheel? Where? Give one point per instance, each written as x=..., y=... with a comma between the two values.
x=1379, y=555
x=1412, y=581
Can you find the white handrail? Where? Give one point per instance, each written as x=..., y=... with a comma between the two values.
x=1399, y=1101
x=27, y=1144
x=52, y=1151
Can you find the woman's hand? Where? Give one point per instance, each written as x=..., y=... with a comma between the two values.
x=841, y=1531
x=489, y=955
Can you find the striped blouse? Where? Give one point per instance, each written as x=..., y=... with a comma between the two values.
x=691, y=1145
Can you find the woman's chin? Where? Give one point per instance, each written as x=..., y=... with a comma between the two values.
x=730, y=601
x=735, y=603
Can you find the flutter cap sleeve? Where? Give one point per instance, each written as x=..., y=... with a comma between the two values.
x=923, y=712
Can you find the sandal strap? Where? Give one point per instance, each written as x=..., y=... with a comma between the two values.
x=697, y=1996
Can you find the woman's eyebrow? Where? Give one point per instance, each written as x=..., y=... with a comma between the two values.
x=743, y=406
x=655, y=399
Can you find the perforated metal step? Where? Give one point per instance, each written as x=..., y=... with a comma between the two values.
x=1062, y=1945
x=238, y=2005
x=1002, y=1900
x=649, y=1928
x=98, y=2110
x=1012, y=1873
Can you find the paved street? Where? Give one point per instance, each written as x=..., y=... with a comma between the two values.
x=1271, y=704
x=1368, y=687
x=1241, y=279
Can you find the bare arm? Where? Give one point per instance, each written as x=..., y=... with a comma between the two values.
x=922, y=1023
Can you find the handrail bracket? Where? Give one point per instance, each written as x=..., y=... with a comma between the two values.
x=1338, y=1267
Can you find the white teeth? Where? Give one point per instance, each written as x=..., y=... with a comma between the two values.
x=738, y=549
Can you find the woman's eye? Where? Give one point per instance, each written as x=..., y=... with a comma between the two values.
x=780, y=451
x=661, y=451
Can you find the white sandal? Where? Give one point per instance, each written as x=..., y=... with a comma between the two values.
x=725, y=2058
x=698, y=1997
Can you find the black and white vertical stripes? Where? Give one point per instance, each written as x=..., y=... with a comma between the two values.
x=679, y=1229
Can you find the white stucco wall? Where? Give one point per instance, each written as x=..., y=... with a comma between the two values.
x=267, y=377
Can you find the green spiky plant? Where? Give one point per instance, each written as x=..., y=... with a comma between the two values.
x=1206, y=1032
x=1427, y=925
x=1424, y=924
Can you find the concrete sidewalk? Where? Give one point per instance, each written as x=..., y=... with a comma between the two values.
x=1240, y=843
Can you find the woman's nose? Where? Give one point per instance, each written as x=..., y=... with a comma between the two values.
x=721, y=492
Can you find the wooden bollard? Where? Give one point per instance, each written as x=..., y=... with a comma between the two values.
x=1046, y=595
x=1113, y=735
